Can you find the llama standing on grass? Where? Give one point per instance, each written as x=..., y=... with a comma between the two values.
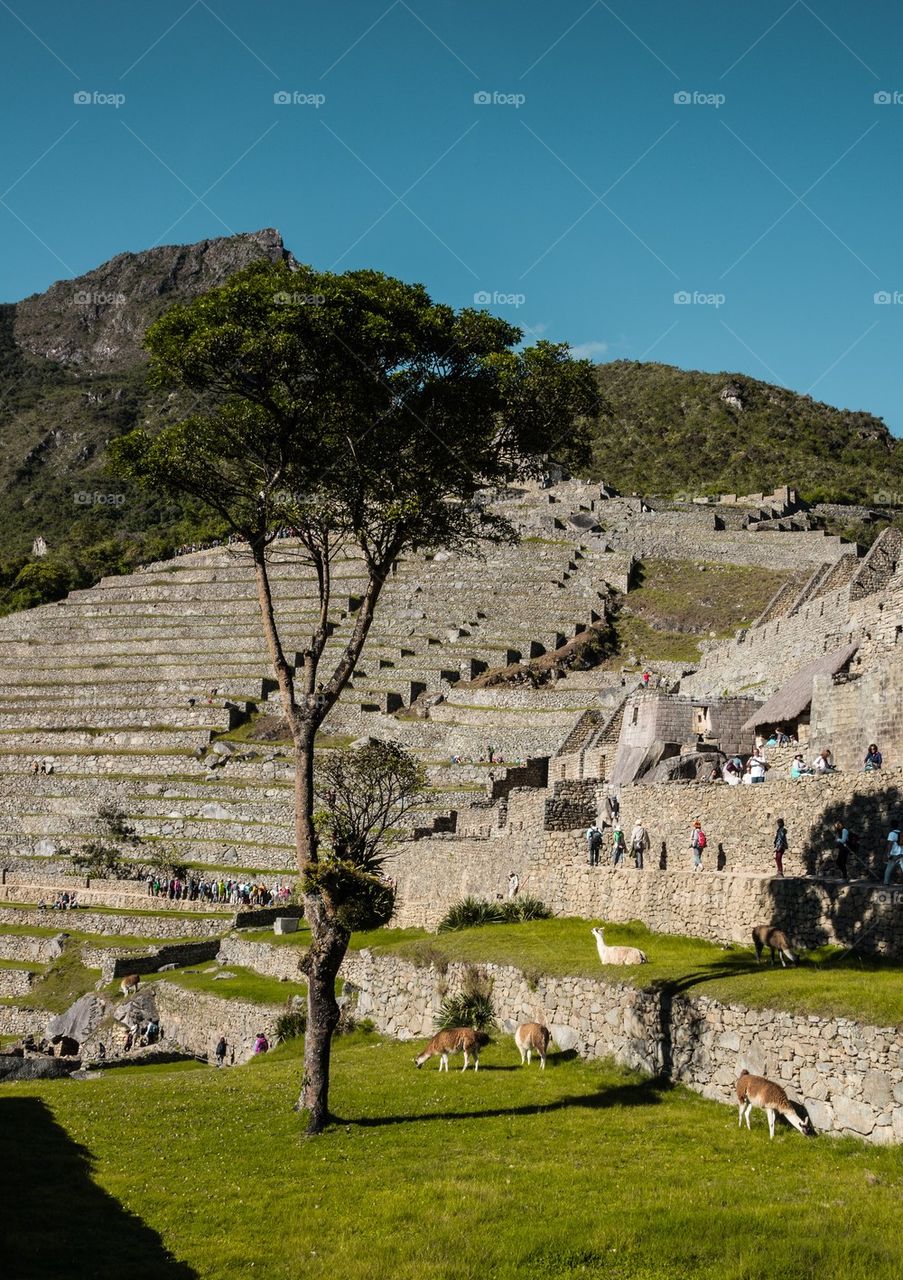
x=129, y=983
x=617, y=955
x=756, y=1091
x=457, y=1040
x=765, y=936
x=532, y=1037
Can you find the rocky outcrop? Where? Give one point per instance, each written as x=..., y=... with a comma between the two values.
x=97, y=321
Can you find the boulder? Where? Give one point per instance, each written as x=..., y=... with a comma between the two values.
x=564, y=1037
x=80, y=1020
x=285, y=924
x=38, y=1068
x=855, y=1116
x=214, y=810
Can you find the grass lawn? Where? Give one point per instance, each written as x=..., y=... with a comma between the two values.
x=246, y=985
x=581, y=1170
x=827, y=982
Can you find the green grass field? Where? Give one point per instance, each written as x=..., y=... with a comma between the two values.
x=582, y=1170
x=827, y=982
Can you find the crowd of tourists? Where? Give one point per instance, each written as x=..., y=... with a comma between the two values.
x=235, y=893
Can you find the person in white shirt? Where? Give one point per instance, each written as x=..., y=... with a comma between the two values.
x=756, y=766
x=823, y=762
x=894, y=855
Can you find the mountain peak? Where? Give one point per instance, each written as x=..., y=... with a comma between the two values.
x=96, y=322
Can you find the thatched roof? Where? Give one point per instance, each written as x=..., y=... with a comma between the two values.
x=792, y=699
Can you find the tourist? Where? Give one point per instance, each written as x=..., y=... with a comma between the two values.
x=873, y=758
x=513, y=885
x=261, y=1044
x=756, y=766
x=823, y=762
x=698, y=843
x=842, y=848
x=219, y=1053
x=799, y=768
x=594, y=844
x=894, y=854
x=715, y=774
x=646, y=678
x=617, y=844
x=780, y=846
x=639, y=843
x=731, y=774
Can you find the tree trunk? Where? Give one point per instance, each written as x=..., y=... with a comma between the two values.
x=327, y=951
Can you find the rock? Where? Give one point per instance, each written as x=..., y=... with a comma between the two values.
x=820, y=1114
x=285, y=924
x=214, y=810
x=38, y=1068
x=164, y=968
x=565, y=1037
x=223, y=748
x=218, y=977
x=877, y=1088
x=80, y=1020
x=856, y=1116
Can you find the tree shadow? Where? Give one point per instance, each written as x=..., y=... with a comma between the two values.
x=642, y=1093
x=55, y=1220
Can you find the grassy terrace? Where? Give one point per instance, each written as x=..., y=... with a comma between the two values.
x=581, y=1170
x=827, y=982
x=66, y=916
x=246, y=985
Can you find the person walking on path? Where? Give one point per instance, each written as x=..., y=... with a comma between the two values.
x=594, y=844
x=842, y=848
x=639, y=843
x=698, y=842
x=220, y=1051
x=780, y=846
x=617, y=844
x=894, y=854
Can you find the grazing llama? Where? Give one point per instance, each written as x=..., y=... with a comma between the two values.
x=129, y=983
x=617, y=955
x=756, y=1091
x=765, y=936
x=530, y=1037
x=457, y=1040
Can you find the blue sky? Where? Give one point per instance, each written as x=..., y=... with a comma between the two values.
x=711, y=185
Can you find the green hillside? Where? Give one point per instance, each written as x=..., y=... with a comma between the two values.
x=667, y=430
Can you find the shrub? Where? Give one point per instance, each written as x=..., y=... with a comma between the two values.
x=472, y=1007
x=292, y=1023
x=423, y=954
x=470, y=912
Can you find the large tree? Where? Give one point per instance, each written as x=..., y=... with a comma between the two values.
x=367, y=419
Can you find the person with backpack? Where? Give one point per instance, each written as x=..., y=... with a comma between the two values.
x=594, y=843
x=639, y=843
x=780, y=846
x=698, y=843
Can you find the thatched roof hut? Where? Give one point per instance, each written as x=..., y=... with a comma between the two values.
x=793, y=699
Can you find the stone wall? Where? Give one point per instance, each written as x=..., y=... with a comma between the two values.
x=850, y=712
x=263, y=957
x=195, y=1021
x=15, y=982
x=848, y=1076
x=94, y=922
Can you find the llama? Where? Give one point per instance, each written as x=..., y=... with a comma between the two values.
x=617, y=955
x=129, y=983
x=531, y=1036
x=764, y=935
x=756, y=1091
x=456, y=1040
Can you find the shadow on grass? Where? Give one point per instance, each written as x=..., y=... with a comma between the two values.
x=55, y=1220
x=642, y=1093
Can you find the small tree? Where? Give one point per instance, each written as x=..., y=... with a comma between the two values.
x=99, y=860
x=365, y=418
